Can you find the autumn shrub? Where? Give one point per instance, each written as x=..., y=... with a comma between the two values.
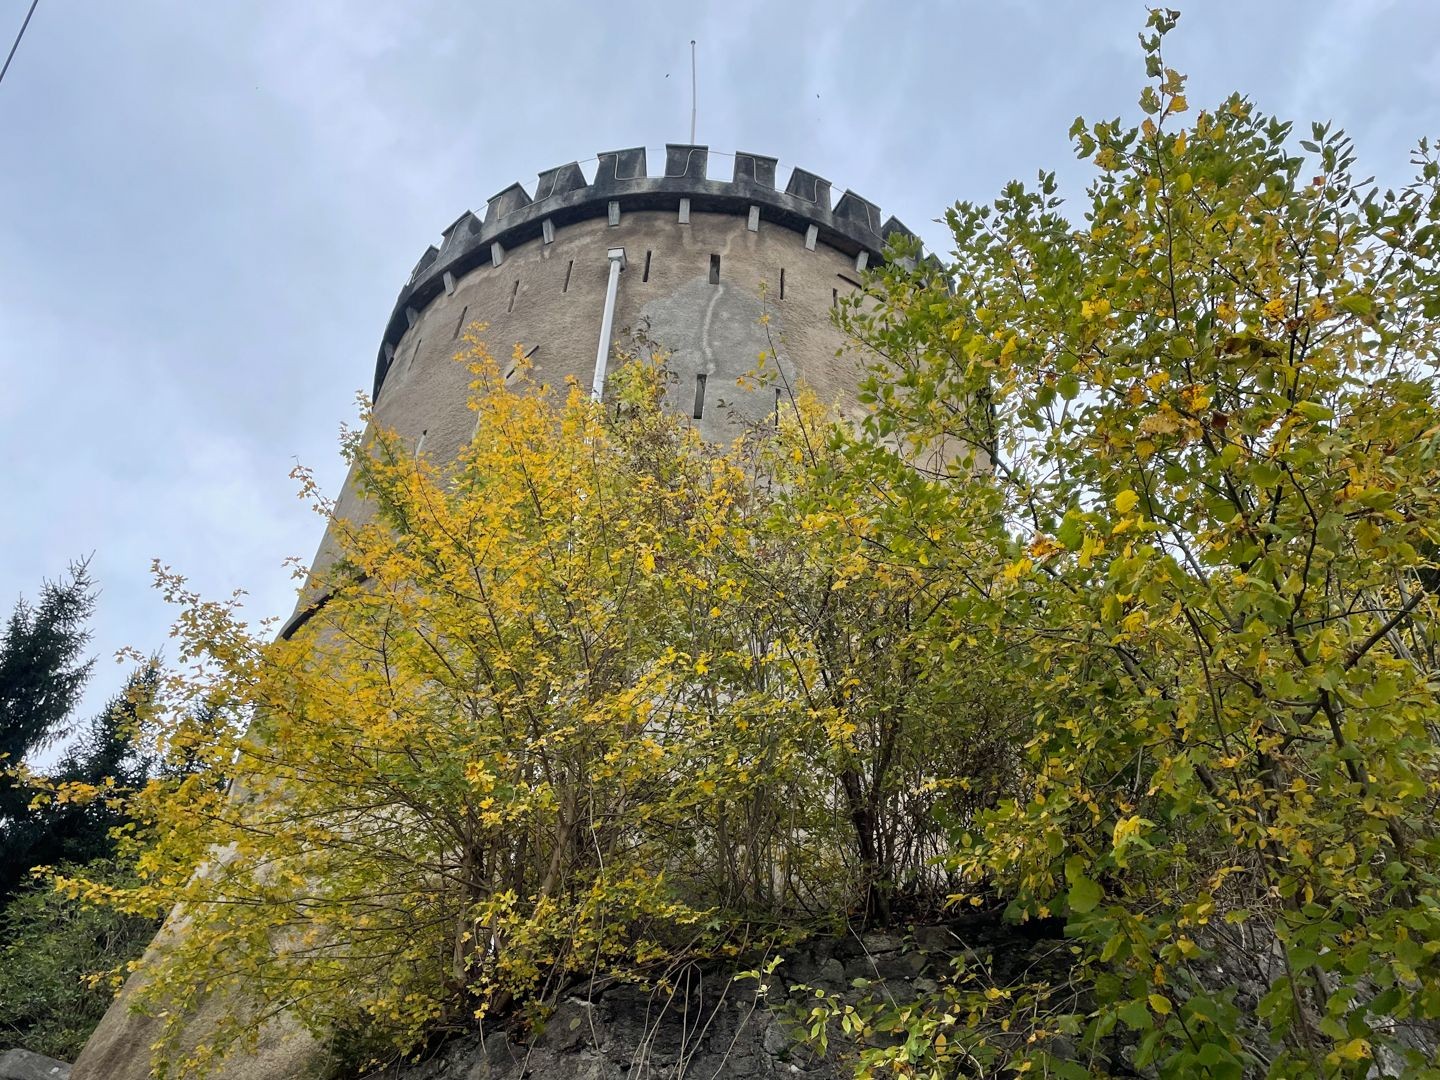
x=592, y=699
x=1208, y=401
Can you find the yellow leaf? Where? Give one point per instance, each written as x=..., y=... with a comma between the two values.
x=1354, y=1050
x=1017, y=569
x=1126, y=500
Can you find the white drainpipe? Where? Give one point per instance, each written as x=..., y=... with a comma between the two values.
x=607, y=321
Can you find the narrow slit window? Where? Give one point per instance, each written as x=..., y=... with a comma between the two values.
x=849, y=280
x=420, y=442
x=460, y=322
x=414, y=353
x=834, y=297
x=714, y=269
x=567, y=276
x=699, y=410
x=777, y=406
x=782, y=283
x=646, y=275
x=513, y=290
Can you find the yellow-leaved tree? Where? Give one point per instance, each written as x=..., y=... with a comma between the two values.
x=591, y=700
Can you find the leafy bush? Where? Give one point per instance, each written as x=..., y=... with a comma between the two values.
x=594, y=697
x=62, y=962
x=1207, y=405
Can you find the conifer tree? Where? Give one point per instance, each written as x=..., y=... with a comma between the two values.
x=43, y=671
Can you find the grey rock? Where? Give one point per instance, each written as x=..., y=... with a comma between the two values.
x=900, y=965
x=776, y=1041
x=734, y=1065
x=596, y=1067
x=567, y=1028
x=878, y=944
x=831, y=975
x=23, y=1065
x=936, y=939
x=861, y=967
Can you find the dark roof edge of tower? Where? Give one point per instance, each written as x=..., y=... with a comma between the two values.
x=562, y=197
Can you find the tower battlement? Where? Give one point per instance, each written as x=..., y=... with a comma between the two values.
x=622, y=183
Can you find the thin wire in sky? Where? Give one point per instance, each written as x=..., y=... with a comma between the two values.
x=33, y=5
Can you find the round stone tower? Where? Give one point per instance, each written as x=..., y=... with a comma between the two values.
x=677, y=258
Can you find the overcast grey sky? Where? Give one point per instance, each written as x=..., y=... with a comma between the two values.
x=207, y=208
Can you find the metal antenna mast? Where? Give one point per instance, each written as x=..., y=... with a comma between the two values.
x=692, y=91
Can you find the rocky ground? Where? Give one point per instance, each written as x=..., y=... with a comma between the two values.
x=713, y=1026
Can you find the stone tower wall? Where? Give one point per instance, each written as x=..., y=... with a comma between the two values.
x=698, y=251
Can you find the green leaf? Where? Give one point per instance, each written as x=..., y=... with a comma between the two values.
x=1357, y=304
x=1136, y=1015
x=1313, y=410
x=1072, y=531
x=1084, y=895
x=1380, y=692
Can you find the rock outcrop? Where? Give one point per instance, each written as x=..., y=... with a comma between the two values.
x=714, y=1026
x=24, y=1065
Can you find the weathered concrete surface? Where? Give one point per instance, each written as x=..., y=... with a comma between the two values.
x=23, y=1065
x=547, y=298
x=119, y=1048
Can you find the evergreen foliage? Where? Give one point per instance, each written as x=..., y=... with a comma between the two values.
x=61, y=962
x=42, y=674
x=59, y=959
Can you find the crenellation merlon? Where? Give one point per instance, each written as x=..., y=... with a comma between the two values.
x=560, y=181
x=506, y=202
x=806, y=185
x=859, y=210
x=754, y=169
x=682, y=159
x=895, y=227
x=426, y=261
x=460, y=232
x=564, y=197
x=615, y=167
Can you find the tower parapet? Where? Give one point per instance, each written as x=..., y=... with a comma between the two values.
x=622, y=182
